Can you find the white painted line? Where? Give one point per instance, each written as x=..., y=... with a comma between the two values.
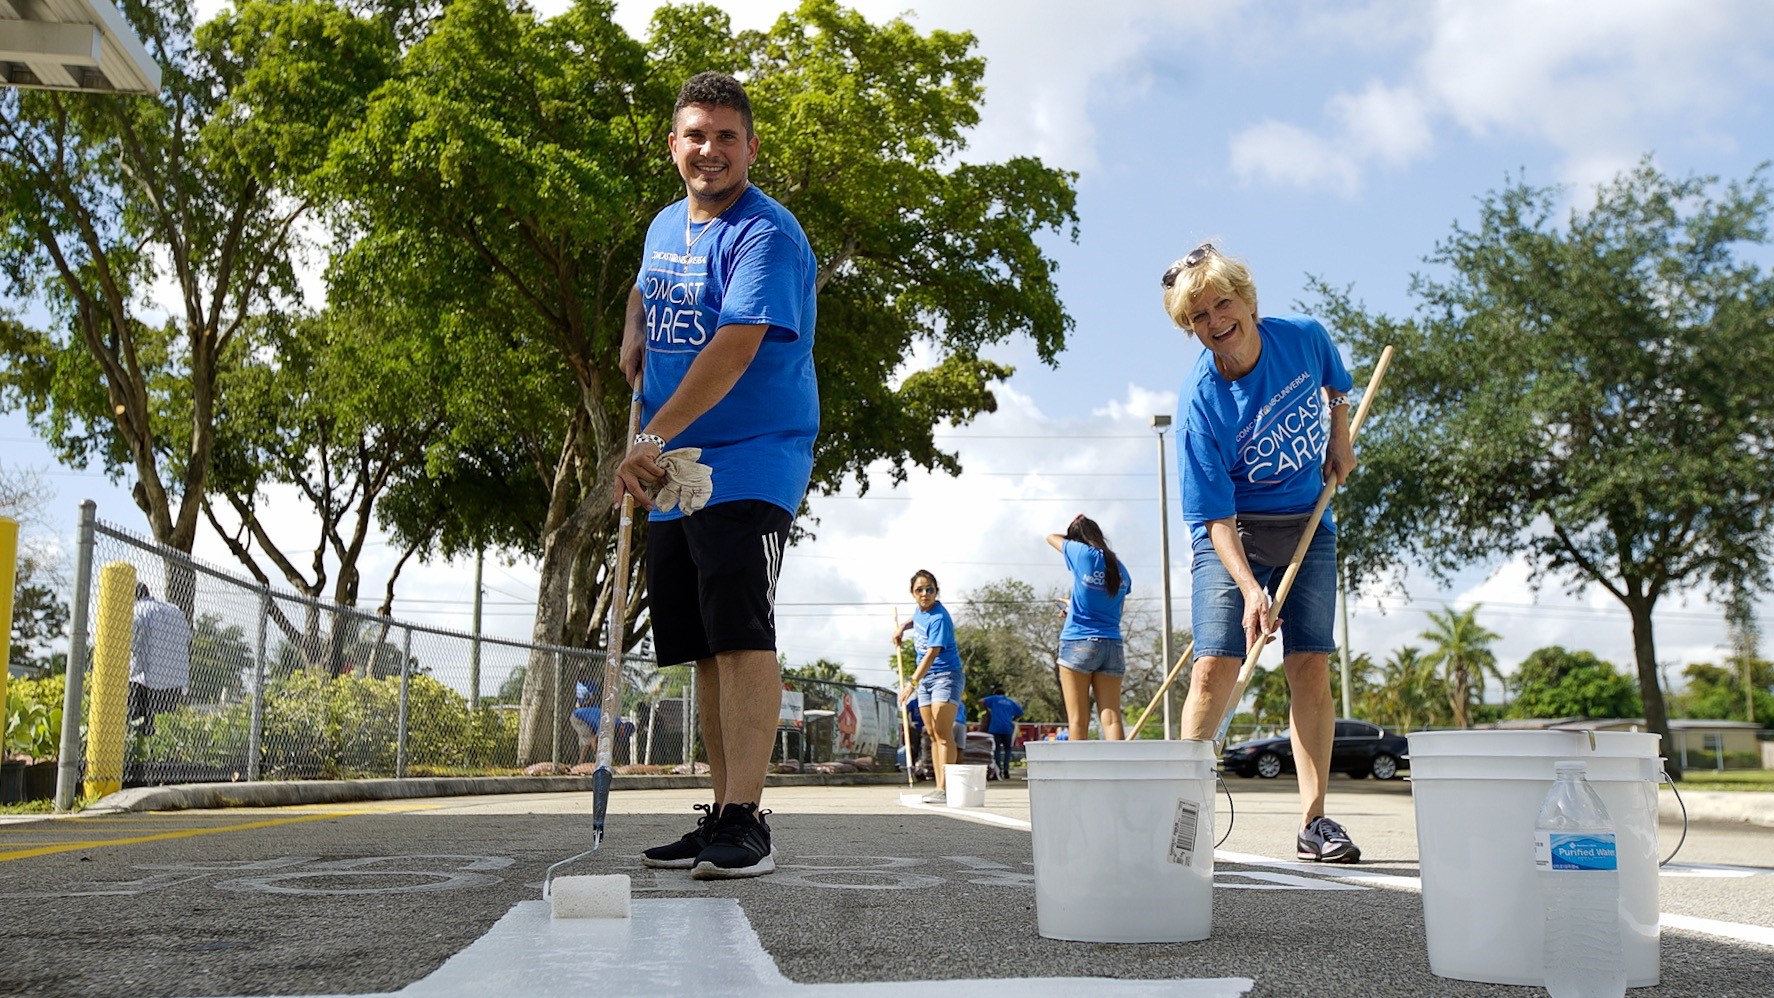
x=1758, y=934
x=528, y=953
x=964, y=813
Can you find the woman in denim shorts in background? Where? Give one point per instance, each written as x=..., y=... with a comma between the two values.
x=938, y=682
x=1091, y=662
x=1265, y=425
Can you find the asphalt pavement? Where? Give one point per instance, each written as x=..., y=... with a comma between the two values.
x=440, y=895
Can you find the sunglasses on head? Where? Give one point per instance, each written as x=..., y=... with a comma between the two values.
x=1194, y=259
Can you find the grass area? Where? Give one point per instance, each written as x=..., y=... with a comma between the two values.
x=29, y=807
x=1761, y=780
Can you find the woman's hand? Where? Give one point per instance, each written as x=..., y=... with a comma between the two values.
x=1339, y=459
x=905, y=693
x=1257, y=629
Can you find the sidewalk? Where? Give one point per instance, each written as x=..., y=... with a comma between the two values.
x=1725, y=807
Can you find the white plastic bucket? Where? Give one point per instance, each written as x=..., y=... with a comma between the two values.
x=966, y=785
x=1123, y=836
x=1477, y=796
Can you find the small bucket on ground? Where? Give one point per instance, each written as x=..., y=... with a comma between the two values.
x=1123, y=837
x=1477, y=796
x=966, y=785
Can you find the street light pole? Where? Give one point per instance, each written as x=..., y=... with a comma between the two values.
x=1161, y=423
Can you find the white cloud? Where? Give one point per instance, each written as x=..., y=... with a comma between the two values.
x=1281, y=153
x=1594, y=80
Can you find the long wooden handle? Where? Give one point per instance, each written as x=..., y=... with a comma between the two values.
x=1293, y=568
x=1175, y=670
x=905, y=718
x=608, y=721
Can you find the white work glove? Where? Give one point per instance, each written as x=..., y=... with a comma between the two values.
x=687, y=483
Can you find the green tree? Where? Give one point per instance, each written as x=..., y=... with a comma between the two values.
x=1361, y=681
x=202, y=187
x=39, y=614
x=1007, y=635
x=1715, y=692
x=1460, y=648
x=509, y=169
x=1410, y=694
x=220, y=659
x=823, y=669
x=1553, y=682
x=1746, y=639
x=1575, y=394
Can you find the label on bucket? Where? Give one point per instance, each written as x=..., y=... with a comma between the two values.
x=1182, y=831
x=1554, y=851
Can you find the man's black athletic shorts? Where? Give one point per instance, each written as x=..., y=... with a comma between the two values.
x=712, y=579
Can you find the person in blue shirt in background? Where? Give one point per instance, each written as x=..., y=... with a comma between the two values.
x=1091, y=659
x=1001, y=715
x=585, y=717
x=1265, y=425
x=938, y=682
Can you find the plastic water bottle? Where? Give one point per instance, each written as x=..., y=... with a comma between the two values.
x=1574, y=851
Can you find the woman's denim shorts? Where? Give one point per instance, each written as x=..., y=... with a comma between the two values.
x=1308, y=618
x=941, y=687
x=1102, y=656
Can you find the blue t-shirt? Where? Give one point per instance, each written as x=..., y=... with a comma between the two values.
x=751, y=265
x=935, y=628
x=1094, y=611
x=1256, y=445
x=1005, y=711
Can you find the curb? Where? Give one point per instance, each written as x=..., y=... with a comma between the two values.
x=193, y=796
x=1724, y=806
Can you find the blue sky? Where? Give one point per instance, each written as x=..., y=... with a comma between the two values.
x=1339, y=140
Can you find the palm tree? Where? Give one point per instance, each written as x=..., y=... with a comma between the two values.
x=1410, y=695
x=1462, y=653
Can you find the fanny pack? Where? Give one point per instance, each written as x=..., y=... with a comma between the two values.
x=1269, y=539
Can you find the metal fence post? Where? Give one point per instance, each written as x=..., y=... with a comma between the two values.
x=406, y=675
x=554, y=708
x=67, y=771
x=255, y=734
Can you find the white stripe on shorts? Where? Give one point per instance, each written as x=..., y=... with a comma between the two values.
x=772, y=569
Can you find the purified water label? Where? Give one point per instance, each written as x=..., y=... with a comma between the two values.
x=1182, y=831
x=1555, y=851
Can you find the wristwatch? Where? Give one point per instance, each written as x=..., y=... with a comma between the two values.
x=650, y=438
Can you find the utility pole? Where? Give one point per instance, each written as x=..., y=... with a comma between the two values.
x=474, y=649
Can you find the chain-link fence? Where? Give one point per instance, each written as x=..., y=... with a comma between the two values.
x=835, y=725
x=188, y=673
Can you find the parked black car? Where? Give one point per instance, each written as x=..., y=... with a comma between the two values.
x=1358, y=748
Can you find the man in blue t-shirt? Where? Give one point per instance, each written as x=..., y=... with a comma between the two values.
x=719, y=339
x=1265, y=426
x=1001, y=715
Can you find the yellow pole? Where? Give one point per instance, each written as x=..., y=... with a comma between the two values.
x=106, y=714
x=8, y=578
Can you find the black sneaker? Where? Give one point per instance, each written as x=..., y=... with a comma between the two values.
x=738, y=847
x=681, y=855
x=1324, y=841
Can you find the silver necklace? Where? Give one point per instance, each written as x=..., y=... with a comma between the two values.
x=689, y=243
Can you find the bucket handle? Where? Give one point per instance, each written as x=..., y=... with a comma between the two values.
x=1231, y=810
x=1664, y=773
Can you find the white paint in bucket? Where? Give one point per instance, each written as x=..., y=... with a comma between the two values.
x=1477, y=794
x=966, y=785
x=1123, y=838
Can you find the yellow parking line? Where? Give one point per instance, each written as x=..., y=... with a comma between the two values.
x=161, y=836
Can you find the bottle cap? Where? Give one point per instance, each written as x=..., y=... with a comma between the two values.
x=1570, y=767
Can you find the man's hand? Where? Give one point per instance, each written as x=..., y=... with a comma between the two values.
x=639, y=472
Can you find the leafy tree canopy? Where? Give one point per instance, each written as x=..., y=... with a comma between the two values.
x=1575, y=394
x=1553, y=682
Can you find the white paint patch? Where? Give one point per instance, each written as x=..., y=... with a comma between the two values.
x=1758, y=934
x=982, y=817
x=527, y=953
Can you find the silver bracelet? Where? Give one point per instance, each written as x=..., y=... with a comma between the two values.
x=650, y=438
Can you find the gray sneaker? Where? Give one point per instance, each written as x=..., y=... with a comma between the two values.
x=940, y=796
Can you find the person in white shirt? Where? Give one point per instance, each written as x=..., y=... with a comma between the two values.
x=159, y=659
